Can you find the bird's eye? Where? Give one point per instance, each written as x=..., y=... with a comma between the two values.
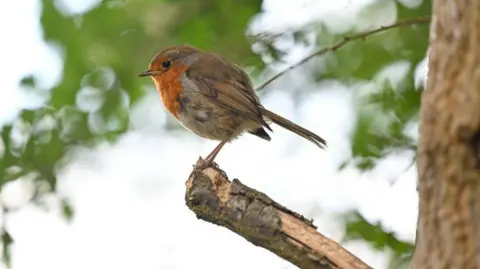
x=166, y=64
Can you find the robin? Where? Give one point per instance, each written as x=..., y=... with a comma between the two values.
x=213, y=97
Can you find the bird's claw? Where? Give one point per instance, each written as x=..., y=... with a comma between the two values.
x=203, y=164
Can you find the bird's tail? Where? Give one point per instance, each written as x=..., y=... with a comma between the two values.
x=299, y=130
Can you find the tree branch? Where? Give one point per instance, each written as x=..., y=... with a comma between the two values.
x=344, y=41
x=263, y=222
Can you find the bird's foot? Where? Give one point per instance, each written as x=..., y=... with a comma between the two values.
x=204, y=164
x=201, y=165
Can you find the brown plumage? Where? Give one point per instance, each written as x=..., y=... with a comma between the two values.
x=213, y=97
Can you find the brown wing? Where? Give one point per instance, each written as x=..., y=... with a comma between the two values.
x=228, y=86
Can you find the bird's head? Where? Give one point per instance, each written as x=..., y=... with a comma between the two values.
x=169, y=58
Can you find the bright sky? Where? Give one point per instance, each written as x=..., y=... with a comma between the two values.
x=129, y=197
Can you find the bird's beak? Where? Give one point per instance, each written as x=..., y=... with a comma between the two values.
x=145, y=73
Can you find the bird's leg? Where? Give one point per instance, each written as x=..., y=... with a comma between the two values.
x=208, y=162
x=209, y=159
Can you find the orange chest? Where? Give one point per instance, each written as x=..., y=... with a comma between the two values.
x=170, y=88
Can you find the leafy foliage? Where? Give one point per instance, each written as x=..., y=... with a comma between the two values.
x=360, y=229
x=103, y=51
x=385, y=110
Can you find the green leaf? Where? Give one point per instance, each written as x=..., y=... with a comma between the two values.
x=67, y=210
x=358, y=228
x=7, y=241
x=28, y=81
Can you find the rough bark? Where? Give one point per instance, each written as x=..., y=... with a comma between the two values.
x=449, y=169
x=263, y=222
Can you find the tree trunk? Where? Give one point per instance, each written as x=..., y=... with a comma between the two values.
x=449, y=168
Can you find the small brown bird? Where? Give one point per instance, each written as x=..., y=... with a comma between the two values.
x=213, y=97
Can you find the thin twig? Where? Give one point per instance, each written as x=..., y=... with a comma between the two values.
x=344, y=41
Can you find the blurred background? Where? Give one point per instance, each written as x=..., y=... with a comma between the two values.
x=92, y=169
